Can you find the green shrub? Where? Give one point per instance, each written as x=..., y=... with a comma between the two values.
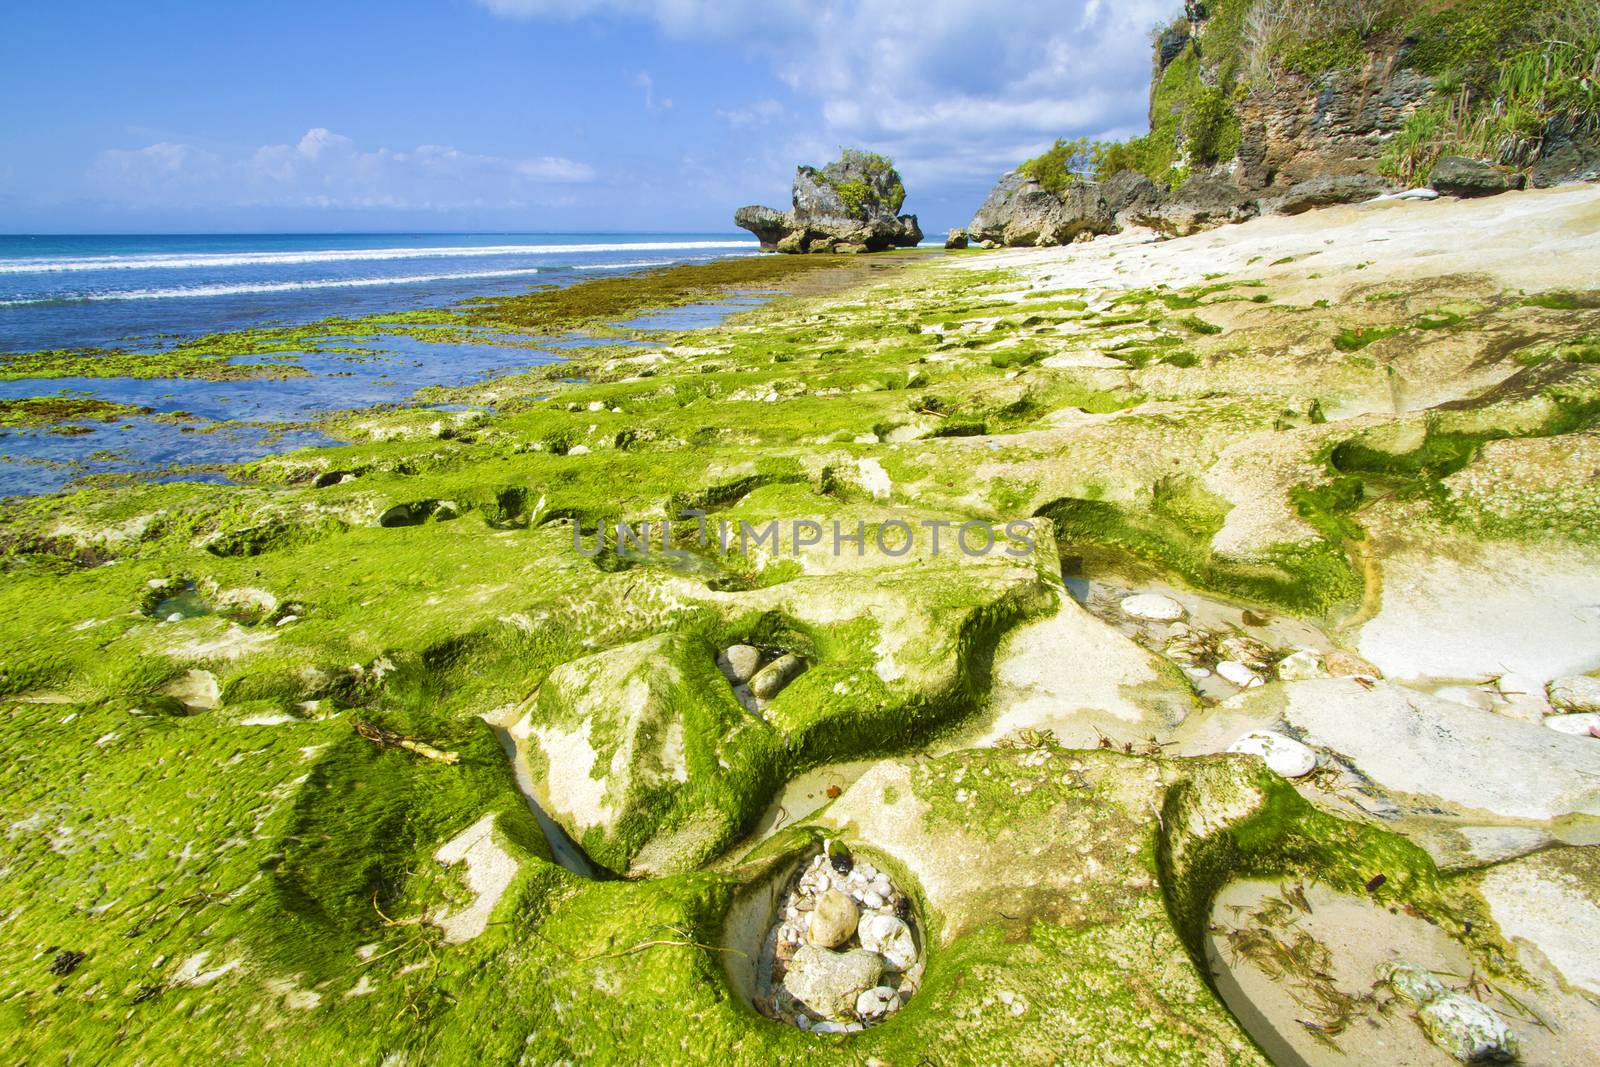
x=1064, y=163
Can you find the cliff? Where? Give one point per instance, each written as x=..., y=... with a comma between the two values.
x=1282, y=105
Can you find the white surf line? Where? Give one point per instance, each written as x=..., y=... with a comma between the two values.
x=179, y=261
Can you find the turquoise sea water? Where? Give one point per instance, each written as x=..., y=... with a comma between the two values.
x=140, y=292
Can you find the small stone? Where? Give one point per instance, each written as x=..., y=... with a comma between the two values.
x=176, y=616
x=1284, y=755
x=1413, y=984
x=872, y=899
x=1197, y=674
x=769, y=680
x=829, y=983
x=890, y=938
x=1246, y=650
x=1578, y=694
x=877, y=1002
x=1152, y=607
x=1581, y=724
x=740, y=662
x=579, y=450
x=1302, y=665
x=1239, y=674
x=1469, y=1030
x=1342, y=664
x=827, y=1026
x=834, y=920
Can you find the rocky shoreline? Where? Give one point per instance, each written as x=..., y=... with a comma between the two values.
x=1310, y=602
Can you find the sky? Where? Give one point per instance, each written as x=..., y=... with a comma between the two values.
x=534, y=115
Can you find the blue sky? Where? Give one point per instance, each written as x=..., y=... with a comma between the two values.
x=534, y=114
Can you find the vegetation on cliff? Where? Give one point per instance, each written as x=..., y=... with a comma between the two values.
x=1509, y=78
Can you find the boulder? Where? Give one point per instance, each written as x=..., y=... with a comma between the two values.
x=957, y=239
x=1198, y=204
x=1326, y=191
x=1548, y=900
x=851, y=205
x=1129, y=193
x=1022, y=213
x=1460, y=176
x=769, y=225
x=1407, y=744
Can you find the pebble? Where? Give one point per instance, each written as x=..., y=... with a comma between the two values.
x=825, y=937
x=1577, y=694
x=769, y=680
x=890, y=938
x=833, y=922
x=1302, y=665
x=877, y=1002
x=1284, y=755
x=1152, y=607
x=1342, y=664
x=1581, y=724
x=740, y=662
x=1246, y=650
x=1466, y=1028
x=1239, y=674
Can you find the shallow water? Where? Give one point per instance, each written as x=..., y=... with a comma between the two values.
x=261, y=412
x=1359, y=935
x=563, y=849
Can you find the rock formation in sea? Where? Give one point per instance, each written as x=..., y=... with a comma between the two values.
x=851, y=205
x=1272, y=107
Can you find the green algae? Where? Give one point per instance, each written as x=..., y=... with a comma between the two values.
x=45, y=411
x=422, y=626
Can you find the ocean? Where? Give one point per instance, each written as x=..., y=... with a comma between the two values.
x=83, y=292
x=144, y=292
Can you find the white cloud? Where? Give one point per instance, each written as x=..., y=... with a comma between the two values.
x=956, y=86
x=644, y=81
x=324, y=169
x=759, y=113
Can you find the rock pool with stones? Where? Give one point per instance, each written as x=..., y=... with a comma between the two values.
x=842, y=953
